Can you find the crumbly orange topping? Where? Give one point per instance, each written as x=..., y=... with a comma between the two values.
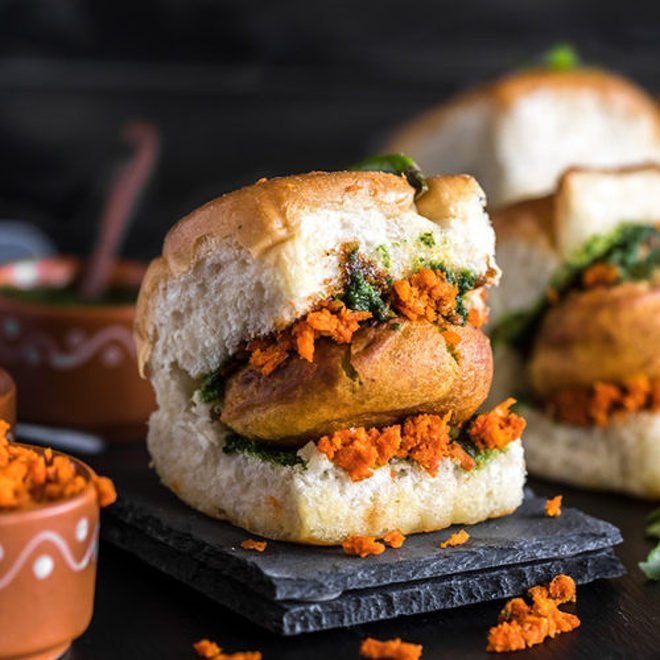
x=553, y=507
x=600, y=274
x=426, y=295
x=333, y=320
x=253, y=544
x=205, y=648
x=423, y=438
x=457, y=538
x=362, y=546
x=392, y=649
x=600, y=403
x=496, y=429
x=522, y=625
x=29, y=477
x=210, y=650
x=395, y=539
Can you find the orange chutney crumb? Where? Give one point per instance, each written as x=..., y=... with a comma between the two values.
x=600, y=274
x=426, y=295
x=457, y=538
x=362, y=546
x=496, y=429
x=205, y=648
x=553, y=507
x=522, y=626
x=333, y=320
x=210, y=650
x=253, y=544
x=424, y=439
x=603, y=401
x=395, y=539
x=29, y=477
x=392, y=649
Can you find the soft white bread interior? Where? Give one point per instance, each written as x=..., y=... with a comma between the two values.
x=318, y=503
x=622, y=457
x=251, y=261
x=535, y=237
x=518, y=134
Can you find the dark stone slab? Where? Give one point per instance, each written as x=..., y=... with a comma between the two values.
x=295, y=572
x=357, y=606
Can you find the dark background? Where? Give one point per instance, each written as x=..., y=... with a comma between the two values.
x=241, y=90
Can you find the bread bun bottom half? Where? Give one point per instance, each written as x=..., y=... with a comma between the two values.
x=318, y=503
x=622, y=457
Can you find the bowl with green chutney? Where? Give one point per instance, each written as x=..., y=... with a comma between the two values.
x=73, y=359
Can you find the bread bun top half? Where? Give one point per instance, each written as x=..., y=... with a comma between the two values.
x=516, y=135
x=253, y=260
x=534, y=237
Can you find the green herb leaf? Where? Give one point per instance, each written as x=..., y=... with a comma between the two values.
x=236, y=444
x=427, y=239
x=212, y=387
x=653, y=524
x=562, y=57
x=394, y=164
x=361, y=295
x=651, y=567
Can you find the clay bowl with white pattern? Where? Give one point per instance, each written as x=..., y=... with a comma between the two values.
x=48, y=558
x=74, y=362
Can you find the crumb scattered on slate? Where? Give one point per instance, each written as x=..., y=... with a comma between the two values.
x=553, y=506
x=392, y=649
x=362, y=546
x=395, y=539
x=457, y=538
x=253, y=544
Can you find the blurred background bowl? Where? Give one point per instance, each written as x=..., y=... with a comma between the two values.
x=74, y=363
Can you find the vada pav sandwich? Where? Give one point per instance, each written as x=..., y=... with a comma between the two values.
x=577, y=327
x=316, y=349
x=518, y=134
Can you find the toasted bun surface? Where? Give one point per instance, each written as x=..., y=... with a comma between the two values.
x=622, y=457
x=518, y=134
x=251, y=261
x=381, y=376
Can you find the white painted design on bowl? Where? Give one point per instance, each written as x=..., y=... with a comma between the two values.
x=43, y=567
x=42, y=564
x=82, y=528
x=40, y=348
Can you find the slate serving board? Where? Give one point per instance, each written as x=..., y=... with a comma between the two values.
x=292, y=589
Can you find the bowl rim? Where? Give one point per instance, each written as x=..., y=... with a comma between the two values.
x=57, y=507
x=72, y=263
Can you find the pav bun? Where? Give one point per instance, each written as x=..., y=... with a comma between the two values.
x=517, y=135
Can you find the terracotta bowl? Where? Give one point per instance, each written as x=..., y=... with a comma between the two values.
x=7, y=399
x=75, y=364
x=47, y=573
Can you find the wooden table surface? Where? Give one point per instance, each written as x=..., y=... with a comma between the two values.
x=141, y=613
